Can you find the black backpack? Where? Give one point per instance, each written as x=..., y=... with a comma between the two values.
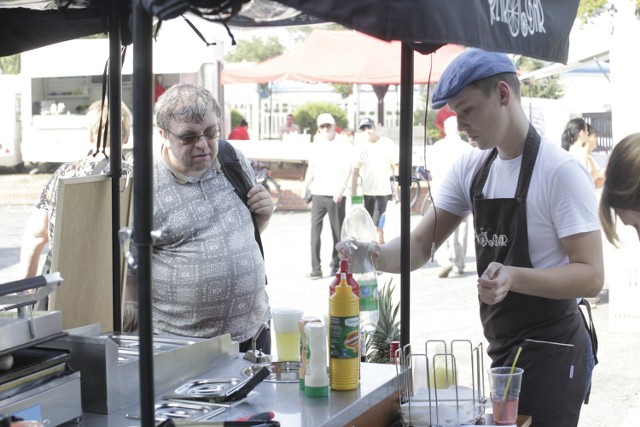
x=233, y=171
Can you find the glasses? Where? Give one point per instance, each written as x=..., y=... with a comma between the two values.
x=325, y=126
x=365, y=127
x=209, y=135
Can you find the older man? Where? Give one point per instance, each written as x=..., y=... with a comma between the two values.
x=208, y=271
x=326, y=178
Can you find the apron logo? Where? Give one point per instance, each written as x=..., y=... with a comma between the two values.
x=496, y=240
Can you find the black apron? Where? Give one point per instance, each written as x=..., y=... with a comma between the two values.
x=550, y=332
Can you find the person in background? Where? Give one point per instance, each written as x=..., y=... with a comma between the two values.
x=289, y=128
x=597, y=173
x=349, y=135
x=376, y=160
x=158, y=87
x=443, y=114
x=580, y=139
x=443, y=155
x=621, y=191
x=207, y=268
x=40, y=226
x=574, y=131
x=240, y=132
x=537, y=234
x=326, y=180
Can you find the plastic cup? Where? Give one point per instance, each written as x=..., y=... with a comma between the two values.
x=505, y=401
x=285, y=324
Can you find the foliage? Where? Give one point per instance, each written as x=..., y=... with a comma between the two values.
x=306, y=115
x=344, y=89
x=387, y=329
x=10, y=64
x=590, y=9
x=255, y=50
x=433, y=133
x=235, y=118
x=541, y=88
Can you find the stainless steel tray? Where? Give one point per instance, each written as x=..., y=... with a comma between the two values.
x=281, y=372
x=208, y=386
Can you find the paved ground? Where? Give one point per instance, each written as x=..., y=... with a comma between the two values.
x=440, y=308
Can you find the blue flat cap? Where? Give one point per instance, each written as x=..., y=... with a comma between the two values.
x=471, y=65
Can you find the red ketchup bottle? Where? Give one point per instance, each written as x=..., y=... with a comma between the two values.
x=344, y=268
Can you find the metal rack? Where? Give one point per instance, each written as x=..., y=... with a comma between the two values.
x=442, y=386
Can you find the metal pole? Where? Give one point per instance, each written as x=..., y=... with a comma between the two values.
x=406, y=143
x=143, y=198
x=115, y=138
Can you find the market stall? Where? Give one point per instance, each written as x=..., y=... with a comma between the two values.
x=548, y=41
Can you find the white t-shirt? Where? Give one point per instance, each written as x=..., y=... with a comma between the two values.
x=375, y=161
x=329, y=163
x=561, y=201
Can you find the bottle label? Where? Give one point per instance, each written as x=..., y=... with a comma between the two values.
x=368, y=294
x=345, y=337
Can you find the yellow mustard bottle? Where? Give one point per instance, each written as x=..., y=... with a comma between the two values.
x=344, y=337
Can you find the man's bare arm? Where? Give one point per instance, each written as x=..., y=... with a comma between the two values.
x=421, y=239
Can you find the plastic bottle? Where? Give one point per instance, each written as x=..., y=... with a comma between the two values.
x=304, y=343
x=359, y=230
x=344, y=337
x=316, y=382
x=344, y=268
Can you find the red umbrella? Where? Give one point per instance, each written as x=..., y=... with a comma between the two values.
x=344, y=57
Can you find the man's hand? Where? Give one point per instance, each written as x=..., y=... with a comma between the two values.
x=494, y=283
x=348, y=249
x=260, y=205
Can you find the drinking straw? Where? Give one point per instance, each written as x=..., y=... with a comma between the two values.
x=513, y=368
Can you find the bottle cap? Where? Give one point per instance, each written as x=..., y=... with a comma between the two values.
x=344, y=265
x=357, y=200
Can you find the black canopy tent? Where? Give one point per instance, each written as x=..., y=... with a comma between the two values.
x=537, y=28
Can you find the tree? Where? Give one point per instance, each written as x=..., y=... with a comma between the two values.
x=255, y=50
x=588, y=10
x=10, y=64
x=343, y=89
x=236, y=116
x=307, y=114
x=541, y=88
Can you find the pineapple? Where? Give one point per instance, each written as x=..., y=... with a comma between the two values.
x=387, y=329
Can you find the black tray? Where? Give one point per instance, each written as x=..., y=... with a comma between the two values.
x=28, y=361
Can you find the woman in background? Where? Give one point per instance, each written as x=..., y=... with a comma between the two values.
x=621, y=190
x=580, y=139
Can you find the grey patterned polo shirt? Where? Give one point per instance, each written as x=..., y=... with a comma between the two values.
x=208, y=273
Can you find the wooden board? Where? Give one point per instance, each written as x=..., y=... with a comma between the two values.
x=82, y=250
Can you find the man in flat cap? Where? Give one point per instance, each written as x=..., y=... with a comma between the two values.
x=537, y=237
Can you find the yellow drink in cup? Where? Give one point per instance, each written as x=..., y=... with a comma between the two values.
x=288, y=344
x=285, y=325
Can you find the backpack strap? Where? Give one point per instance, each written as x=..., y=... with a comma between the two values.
x=236, y=175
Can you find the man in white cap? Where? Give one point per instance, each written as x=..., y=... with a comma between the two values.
x=326, y=178
x=376, y=160
x=538, y=245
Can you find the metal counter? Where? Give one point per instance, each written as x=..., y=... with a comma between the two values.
x=378, y=385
